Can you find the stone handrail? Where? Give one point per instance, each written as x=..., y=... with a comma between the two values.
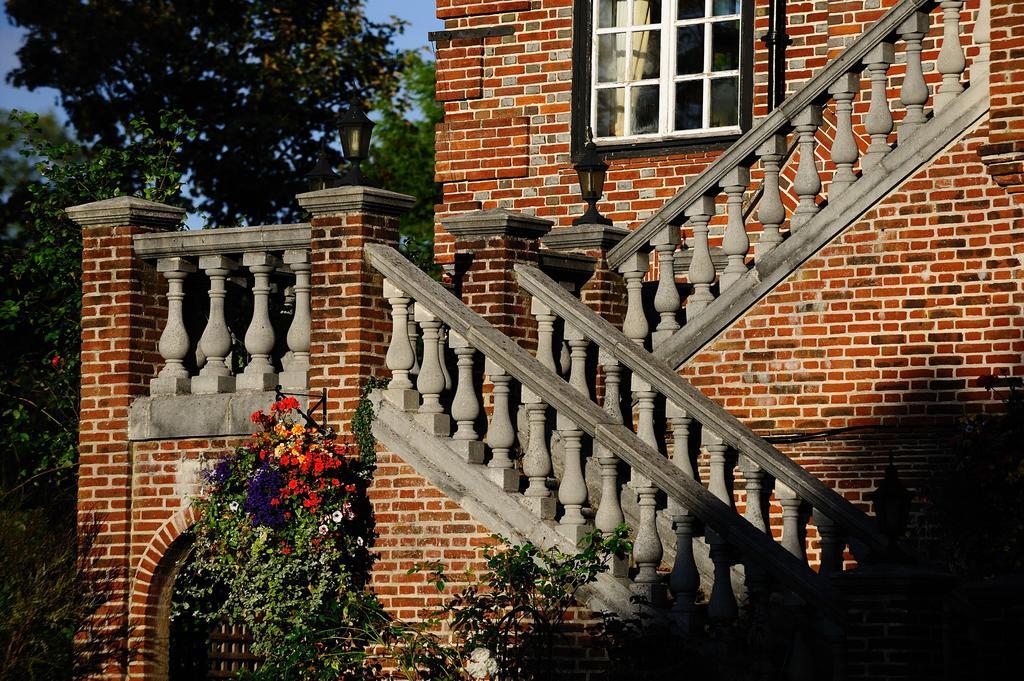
x=867, y=52
x=681, y=393
x=436, y=306
x=221, y=241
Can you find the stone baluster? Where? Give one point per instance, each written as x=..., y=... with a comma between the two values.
x=259, y=373
x=722, y=605
x=807, y=183
x=844, y=147
x=537, y=458
x=634, y=325
x=983, y=38
x=572, y=490
x=501, y=434
x=609, y=511
x=831, y=544
x=173, y=378
x=465, y=403
x=951, y=61
x=684, y=581
x=296, y=377
x=878, y=121
x=545, y=334
x=413, y=333
x=647, y=549
x=666, y=298
x=702, y=269
x=430, y=382
x=754, y=479
x=735, y=243
x=914, y=94
x=399, y=358
x=792, y=535
x=771, y=213
x=215, y=343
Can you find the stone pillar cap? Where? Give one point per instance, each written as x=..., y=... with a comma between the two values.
x=497, y=222
x=125, y=210
x=584, y=237
x=352, y=199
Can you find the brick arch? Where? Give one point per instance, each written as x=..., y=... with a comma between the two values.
x=152, y=581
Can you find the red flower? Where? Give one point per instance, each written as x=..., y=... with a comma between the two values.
x=55, y=361
x=292, y=484
x=286, y=550
x=335, y=482
x=350, y=488
x=285, y=404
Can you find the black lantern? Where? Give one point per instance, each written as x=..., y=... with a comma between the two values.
x=355, y=128
x=322, y=175
x=591, y=171
x=891, y=502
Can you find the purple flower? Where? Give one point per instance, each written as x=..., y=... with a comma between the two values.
x=221, y=473
x=264, y=488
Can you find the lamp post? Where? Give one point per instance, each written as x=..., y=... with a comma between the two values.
x=322, y=175
x=891, y=501
x=355, y=128
x=591, y=171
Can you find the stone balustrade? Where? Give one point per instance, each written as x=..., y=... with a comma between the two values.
x=794, y=141
x=562, y=426
x=238, y=309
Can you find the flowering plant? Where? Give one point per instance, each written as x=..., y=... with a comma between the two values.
x=282, y=545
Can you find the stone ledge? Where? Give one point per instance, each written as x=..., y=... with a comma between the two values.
x=123, y=211
x=340, y=200
x=168, y=417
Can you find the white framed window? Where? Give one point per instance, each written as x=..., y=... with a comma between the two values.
x=665, y=69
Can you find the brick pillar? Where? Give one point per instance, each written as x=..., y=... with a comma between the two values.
x=604, y=292
x=122, y=309
x=350, y=320
x=488, y=244
x=895, y=622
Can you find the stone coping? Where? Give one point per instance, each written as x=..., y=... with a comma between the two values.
x=352, y=199
x=169, y=417
x=481, y=224
x=125, y=210
x=584, y=237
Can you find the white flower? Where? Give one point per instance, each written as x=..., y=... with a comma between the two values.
x=323, y=529
x=481, y=664
x=233, y=506
x=337, y=516
x=359, y=541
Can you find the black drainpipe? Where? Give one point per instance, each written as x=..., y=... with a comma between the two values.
x=776, y=40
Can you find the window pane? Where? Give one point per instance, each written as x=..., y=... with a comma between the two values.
x=644, y=117
x=646, y=61
x=690, y=9
x=612, y=13
x=690, y=105
x=689, y=49
x=724, y=102
x=611, y=58
x=723, y=7
x=646, y=12
x=610, y=112
x=725, y=43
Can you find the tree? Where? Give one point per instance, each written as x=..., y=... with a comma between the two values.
x=260, y=76
x=40, y=288
x=403, y=154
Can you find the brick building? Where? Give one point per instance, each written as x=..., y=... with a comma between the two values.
x=837, y=188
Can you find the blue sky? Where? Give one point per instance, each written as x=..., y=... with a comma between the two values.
x=419, y=14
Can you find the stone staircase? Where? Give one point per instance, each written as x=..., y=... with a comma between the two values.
x=717, y=557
